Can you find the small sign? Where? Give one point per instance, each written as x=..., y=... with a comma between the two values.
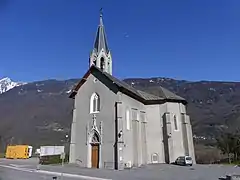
x=62, y=156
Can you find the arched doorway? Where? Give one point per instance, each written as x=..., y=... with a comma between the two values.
x=95, y=150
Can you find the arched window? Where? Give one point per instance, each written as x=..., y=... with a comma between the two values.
x=102, y=63
x=94, y=103
x=95, y=138
x=175, y=122
x=108, y=67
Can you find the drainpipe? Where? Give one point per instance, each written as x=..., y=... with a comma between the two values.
x=118, y=145
x=116, y=137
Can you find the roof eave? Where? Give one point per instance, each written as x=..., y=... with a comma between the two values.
x=177, y=100
x=77, y=87
x=162, y=101
x=73, y=94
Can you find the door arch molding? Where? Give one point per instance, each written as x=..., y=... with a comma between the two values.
x=94, y=149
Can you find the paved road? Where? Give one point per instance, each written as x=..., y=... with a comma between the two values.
x=157, y=172
x=10, y=174
x=19, y=170
x=30, y=170
x=26, y=170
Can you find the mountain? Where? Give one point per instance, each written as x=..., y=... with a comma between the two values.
x=6, y=84
x=40, y=112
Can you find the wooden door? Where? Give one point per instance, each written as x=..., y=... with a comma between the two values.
x=95, y=153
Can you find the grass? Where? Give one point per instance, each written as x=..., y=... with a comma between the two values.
x=232, y=163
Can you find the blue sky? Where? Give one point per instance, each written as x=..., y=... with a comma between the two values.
x=189, y=39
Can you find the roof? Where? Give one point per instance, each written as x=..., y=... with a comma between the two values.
x=101, y=39
x=148, y=96
x=166, y=94
x=145, y=97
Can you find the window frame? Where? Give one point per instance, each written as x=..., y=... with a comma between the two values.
x=143, y=117
x=175, y=122
x=95, y=103
x=128, y=124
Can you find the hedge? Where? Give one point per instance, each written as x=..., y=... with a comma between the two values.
x=54, y=159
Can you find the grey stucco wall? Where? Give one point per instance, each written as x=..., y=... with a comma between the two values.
x=129, y=150
x=155, y=143
x=72, y=155
x=83, y=117
x=177, y=136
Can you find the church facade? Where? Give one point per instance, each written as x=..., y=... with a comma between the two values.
x=117, y=126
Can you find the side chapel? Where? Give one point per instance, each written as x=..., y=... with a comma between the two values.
x=117, y=126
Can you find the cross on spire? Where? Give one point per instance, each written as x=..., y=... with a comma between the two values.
x=101, y=12
x=101, y=40
x=101, y=15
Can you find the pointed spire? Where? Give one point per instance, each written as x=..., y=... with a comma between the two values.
x=101, y=39
x=101, y=15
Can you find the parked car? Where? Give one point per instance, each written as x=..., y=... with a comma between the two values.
x=184, y=161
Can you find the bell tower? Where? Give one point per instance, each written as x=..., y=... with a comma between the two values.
x=100, y=55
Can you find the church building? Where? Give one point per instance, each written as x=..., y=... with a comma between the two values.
x=116, y=126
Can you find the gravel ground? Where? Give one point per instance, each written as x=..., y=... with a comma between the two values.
x=153, y=172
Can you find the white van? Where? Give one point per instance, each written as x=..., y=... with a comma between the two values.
x=184, y=161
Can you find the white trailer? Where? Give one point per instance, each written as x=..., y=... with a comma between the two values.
x=51, y=150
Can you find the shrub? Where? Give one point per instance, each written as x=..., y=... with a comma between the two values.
x=54, y=159
x=207, y=154
x=2, y=155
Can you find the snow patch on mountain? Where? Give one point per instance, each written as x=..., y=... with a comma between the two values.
x=39, y=90
x=6, y=84
x=69, y=91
